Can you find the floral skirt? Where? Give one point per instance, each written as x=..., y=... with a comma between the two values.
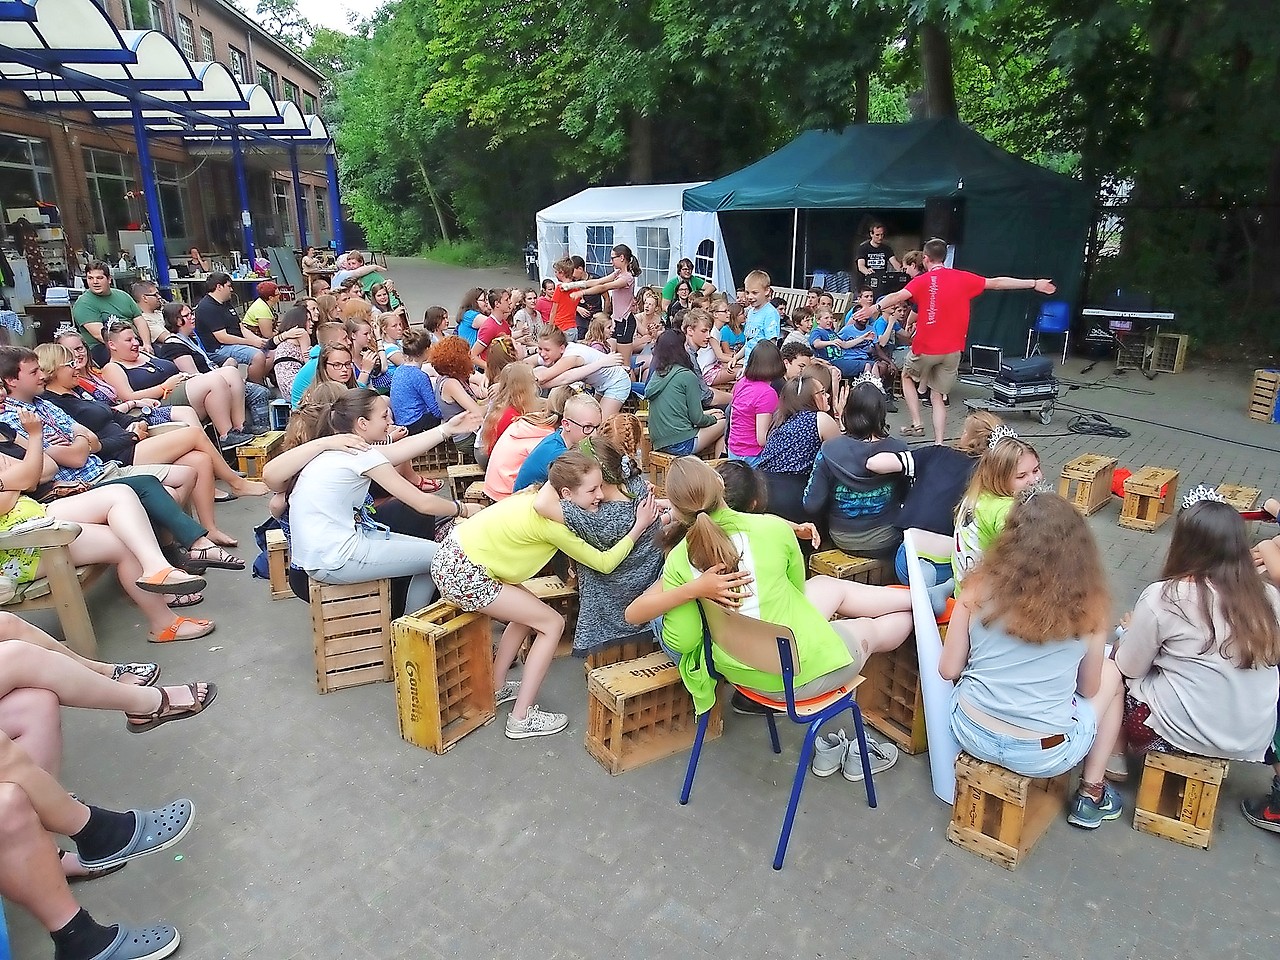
x=460, y=580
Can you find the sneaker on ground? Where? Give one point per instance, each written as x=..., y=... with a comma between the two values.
x=1118, y=768
x=1089, y=813
x=882, y=756
x=740, y=703
x=1264, y=813
x=233, y=439
x=537, y=723
x=829, y=751
x=510, y=690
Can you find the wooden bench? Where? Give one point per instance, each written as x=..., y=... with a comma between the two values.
x=1178, y=797
x=1150, y=498
x=999, y=814
x=62, y=586
x=351, y=633
x=1091, y=474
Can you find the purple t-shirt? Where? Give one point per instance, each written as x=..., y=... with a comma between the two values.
x=750, y=397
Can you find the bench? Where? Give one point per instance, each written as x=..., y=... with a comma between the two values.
x=62, y=586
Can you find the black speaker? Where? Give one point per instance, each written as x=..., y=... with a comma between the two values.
x=944, y=219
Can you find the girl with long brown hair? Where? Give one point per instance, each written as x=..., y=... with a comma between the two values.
x=515, y=395
x=1200, y=652
x=1009, y=466
x=1035, y=692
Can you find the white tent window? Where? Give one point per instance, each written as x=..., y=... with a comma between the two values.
x=704, y=261
x=599, y=245
x=653, y=250
x=557, y=243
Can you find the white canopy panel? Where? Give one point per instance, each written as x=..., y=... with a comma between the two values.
x=77, y=31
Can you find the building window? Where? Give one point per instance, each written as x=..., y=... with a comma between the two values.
x=267, y=79
x=25, y=174
x=206, y=46
x=286, y=229
x=110, y=179
x=322, y=214
x=308, y=104
x=236, y=63
x=291, y=94
x=187, y=37
x=157, y=16
x=599, y=243
x=173, y=200
x=704, y=261
x=653, y=250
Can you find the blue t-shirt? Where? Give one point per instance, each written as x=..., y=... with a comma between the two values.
x=763, y=323
x=412, y=395
x=880, y=325
x=466, y=327
x=730, y=339
x=862, y=351
x=823, y=353
x=535, y=466
x=305, y=376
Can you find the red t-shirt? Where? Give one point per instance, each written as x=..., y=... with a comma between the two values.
x=564, y=310
x=543, y=306
x=942, y=298
x=489, y=330
x=500, y=427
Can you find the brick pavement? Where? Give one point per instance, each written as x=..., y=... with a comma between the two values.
x=322, y=835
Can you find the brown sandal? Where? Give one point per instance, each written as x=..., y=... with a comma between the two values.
x=914, y=430
x=162, y=716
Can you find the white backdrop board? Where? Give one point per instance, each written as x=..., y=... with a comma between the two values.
x=943, y=748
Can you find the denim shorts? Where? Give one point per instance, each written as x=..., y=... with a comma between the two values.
x=1026, y=757
x=682, y=449
x=242, y=352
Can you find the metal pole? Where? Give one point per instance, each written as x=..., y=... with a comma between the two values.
x=154, y=219
x=246, y=220
x=335, y=200
x=795, y=237
x=298, y=204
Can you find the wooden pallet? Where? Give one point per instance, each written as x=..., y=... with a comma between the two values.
x=1169, y=353
x=436, y=462
x=1263, y=396
x=461, y=476
x=1091, y=475
x=475, y=494
x=1150, y=497
x=443, y=659
x=999, y=814
x=845, y=566
x=255, y=454
x=639, y=711
x=1178, y=797
x=891, y=700
x=1241, y=498
x=278, y=565
x=351, y=633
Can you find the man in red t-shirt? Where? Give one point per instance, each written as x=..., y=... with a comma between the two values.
x=942, y=296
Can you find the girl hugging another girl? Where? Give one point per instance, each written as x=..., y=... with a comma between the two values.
x=1009, y=467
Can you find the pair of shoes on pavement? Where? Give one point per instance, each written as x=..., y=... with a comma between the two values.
x=835, y=751
x=537, y=722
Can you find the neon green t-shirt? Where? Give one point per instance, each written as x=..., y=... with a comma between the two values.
x=977, y=526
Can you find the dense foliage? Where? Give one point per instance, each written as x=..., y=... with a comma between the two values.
x=460, y=118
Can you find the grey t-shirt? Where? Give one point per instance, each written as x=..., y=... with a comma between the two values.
x=322, y=505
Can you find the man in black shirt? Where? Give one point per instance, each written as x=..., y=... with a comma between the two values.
x=221, y=334
x=875, y=258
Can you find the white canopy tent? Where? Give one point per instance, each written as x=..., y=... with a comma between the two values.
x=648, y=218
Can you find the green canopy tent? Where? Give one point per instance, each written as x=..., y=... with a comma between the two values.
x=1017, y=219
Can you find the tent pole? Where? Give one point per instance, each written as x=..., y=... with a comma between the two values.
x=795, y=239
x=152, y=197
x=299, y=205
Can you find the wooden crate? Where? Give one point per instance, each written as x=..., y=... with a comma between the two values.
x=443, y=661
x=1241, y=498
x=657, y=466
x=1264, y=395
x=618, y=652
x=563, y=597
x=278, y=565
x=461, y=476
x=475, y=494
x=435, y=462
x=999, y=814
x=890, y=697
x=255, y=454
x=845, y=566
x=1150, y=497
x=1091, y=475
x=351, y=631
x=1169, y=353
x=639, y=711
x=1178, y=797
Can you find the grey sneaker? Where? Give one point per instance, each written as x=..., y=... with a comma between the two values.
x=510, y=690
x=537, y=723
x=882, y=756
x=829, y=751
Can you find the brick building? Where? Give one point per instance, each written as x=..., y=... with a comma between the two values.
x=88, y=168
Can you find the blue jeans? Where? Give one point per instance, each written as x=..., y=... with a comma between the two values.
x=242, y=352
x=381, y=555
x=851, y=366
x=749, y=461
x=941, y=571
x=682, y=449
x=1022, y=756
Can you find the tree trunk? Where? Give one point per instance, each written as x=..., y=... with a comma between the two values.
x=640, y=150
x=435, y=201
x=862, y=96
x=935, y=64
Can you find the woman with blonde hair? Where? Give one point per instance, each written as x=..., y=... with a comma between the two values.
x=516, y=442
x=515, y=395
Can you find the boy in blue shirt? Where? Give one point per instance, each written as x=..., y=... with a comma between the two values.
x=763, y=320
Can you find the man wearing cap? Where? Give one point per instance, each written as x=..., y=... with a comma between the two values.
x=261, y=315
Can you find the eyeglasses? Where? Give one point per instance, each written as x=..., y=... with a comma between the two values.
x=587, y=428
x=338, y=364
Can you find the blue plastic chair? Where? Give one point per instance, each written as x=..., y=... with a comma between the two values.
x=771, y=648
x=1054, y=317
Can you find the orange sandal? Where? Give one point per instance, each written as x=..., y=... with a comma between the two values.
x=171, y=580
x=170, y=633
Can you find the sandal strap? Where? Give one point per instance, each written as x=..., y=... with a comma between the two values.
x=158, y=712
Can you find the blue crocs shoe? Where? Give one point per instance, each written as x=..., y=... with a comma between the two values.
x=155, y=830
x=1089, y=813
x=141, y=943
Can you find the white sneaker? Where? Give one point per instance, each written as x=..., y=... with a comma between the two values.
x=510, y=690
x=537, y=723
x=882, y=756
x=829, y=751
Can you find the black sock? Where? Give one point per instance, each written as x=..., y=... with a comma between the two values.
x=106, y=833
x=81, y=937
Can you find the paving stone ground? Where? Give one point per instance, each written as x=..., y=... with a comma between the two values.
x=321, y=834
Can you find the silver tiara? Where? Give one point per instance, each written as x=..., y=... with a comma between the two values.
x=1001, y=432
x=1037, y=488
x=870, y=377
x=1200, y=494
